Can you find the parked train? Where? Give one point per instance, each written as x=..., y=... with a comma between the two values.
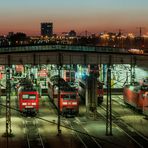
x=136, y=95
x=28, y=98
x=68, y=99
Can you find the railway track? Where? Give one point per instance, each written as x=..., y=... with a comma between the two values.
x=90, y=141
x=34, y=139
x=139, y=139
x=86, y=140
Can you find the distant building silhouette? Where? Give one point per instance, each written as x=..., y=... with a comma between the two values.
x=72, y=33
x=47, y=29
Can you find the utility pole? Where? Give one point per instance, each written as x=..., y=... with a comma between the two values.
x=140, y=36
x=120, y=32
x=8, y=132
x=109, y=102
x=121, y=38
x=86, y=33
x=59, y=114
x=140, y=31
x=133, y=64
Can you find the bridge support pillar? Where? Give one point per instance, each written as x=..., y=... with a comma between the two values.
x=91, y=96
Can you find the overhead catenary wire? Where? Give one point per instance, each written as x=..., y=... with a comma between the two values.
x=12, y=108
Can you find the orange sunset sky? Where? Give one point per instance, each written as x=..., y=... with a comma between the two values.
x=80, y=15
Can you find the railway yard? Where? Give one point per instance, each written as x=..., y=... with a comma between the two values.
x=57, y=111
x=129, y=127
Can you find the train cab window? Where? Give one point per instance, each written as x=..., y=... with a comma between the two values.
x=65, y=97
x=29, y=97
x=25, y=96
x=32, y=97
x=72, y=97
x=69, y=97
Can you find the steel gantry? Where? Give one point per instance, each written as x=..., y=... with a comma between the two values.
x=8, y=132
x=109, y=101
x=59, y=114
x=133, y=65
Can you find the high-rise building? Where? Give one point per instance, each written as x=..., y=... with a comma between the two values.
x=47, y=29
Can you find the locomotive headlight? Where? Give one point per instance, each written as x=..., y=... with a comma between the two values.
x=24, y=103
x=33, y=103
x=64, y=103
x=74, y=103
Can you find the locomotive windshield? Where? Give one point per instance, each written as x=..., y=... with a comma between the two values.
x=29, y=97
x=69, y=97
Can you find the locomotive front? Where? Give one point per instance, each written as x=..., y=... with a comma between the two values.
x=144, y=96
x=136, y=95
x=69, y=103
x=28, y=98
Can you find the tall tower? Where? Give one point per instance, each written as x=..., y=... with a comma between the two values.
x=47, y=29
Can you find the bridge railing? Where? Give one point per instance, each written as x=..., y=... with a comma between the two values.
x=47, y=48
x=62, y=47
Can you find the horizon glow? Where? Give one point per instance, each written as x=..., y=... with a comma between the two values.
x=79, y=15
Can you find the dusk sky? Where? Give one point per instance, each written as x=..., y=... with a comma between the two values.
x=92, y=15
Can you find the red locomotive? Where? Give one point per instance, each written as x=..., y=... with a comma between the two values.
x=28, y=98
x=136, y=95
x=69, y=100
